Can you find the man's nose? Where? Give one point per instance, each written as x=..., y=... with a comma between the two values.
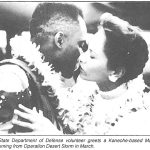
x=80, y=51
x=83, y=57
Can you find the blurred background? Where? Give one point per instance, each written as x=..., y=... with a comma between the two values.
x=15, y=18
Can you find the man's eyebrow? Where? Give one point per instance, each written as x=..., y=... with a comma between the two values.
x=81, y=41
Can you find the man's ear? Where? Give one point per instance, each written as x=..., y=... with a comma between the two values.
x=59, y=39
x=115, y=75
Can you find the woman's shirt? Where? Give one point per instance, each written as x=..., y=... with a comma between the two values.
x=94, y=112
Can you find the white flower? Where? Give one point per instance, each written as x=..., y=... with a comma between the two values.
x=22, y=46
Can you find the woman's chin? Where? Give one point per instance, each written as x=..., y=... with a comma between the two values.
x=82, y=72
x=87, y=78
x=82, y=76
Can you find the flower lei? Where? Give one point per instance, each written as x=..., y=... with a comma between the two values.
x=94, y=112
x=110, y=107
x=80, y=104
x=22, y=46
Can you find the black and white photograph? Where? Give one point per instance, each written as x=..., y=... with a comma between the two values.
x=75, y=68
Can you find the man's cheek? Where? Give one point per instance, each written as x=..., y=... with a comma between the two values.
x=76, y=55
x=73, y=56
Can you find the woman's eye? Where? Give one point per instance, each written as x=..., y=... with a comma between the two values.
x=83, y=45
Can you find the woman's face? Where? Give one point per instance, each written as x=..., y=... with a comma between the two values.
x=93, y=63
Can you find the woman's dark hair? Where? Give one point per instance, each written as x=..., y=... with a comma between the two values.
x=124, y=47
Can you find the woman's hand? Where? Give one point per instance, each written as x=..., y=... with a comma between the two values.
x=38, y=123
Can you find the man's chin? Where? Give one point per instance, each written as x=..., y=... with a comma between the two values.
x=67, y=75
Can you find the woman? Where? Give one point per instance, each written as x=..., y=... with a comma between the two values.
x=115, y=60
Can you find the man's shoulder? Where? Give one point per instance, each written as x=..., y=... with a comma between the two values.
x=13, y=78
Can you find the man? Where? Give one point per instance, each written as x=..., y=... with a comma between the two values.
x=59, y=29
x=60, y=36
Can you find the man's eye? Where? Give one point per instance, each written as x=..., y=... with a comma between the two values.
x=83, y=45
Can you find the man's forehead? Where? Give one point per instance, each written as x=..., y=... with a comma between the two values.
x=78, y=32
x=82, y=25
